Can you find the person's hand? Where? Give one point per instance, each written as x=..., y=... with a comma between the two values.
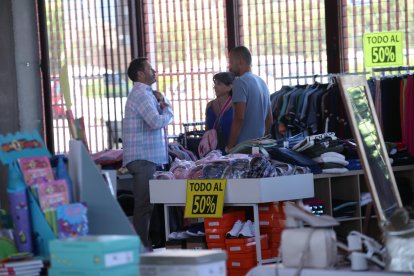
x=163, y=104
x=158, y=95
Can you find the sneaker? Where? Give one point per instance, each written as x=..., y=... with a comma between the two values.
x=234, y=232
x=195, y=229
x=247, y=230
x=172, y=235
x=182, y=235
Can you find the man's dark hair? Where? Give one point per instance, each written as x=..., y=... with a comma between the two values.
x=136, y=65
x=244, y=53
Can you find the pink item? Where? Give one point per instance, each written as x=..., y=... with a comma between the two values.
x=208, y=142
x=196, y=172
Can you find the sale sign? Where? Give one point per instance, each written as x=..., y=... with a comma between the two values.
x=384, y=49
x=205, y=198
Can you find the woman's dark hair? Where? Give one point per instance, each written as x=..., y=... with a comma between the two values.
x=136, y=65
x=224, y=77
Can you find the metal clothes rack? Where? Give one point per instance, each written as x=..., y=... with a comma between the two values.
x=399, y=69
x=187, y=130
x=315, y=76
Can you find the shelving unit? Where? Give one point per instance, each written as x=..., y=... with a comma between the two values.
x=239, y=192
x=349, y=186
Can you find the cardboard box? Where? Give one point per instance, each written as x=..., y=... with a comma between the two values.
x=196, y=243
x=219, y=245
x=270, y=220
x=183, y=263
x=237, y=271
x=268, y=208
x=274, y=252
x=216, y=235
x=95, y=252
x=235, y=261
x=246, y=245
x=272, y=208
x=227, y=221
x=274, y=234
x=266, y=254
x=176, y=244
x=239, y=263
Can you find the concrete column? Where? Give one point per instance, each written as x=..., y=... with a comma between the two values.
x=27, y=65
x=20, y=90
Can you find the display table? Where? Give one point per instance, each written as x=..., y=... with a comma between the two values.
x=277, y=269
x=239, y=192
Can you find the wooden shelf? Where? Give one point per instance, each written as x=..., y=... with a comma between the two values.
x=349, y=186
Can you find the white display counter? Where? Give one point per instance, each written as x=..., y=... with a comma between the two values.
x=239, y=192
x=277, y=269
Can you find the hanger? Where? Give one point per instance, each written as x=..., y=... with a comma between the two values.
x=331, y=81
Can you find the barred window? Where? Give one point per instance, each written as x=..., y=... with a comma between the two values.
x=362, y=16
x=187, y=43
x=286, y=38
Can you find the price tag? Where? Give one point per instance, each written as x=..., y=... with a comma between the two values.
x=383, y=49
x=205, y=198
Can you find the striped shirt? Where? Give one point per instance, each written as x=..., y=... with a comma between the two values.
x=143, y=129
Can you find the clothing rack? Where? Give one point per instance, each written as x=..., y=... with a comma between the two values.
x=306, y=122
x=303, y=77
x=399, y=69
x=315, y=76
x=187, y=130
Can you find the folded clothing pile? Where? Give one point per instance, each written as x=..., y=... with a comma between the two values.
x=332, y=162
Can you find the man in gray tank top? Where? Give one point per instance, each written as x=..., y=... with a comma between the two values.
x=251, y=100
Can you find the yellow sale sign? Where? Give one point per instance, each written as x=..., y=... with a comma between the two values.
x=205, y=198
x=383, y=49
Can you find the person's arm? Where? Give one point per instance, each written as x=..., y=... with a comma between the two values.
x=150, y=114
x=238, y=119
x=269, y=121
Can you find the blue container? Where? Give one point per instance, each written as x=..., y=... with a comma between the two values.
x=104, y=252
x=129, y=270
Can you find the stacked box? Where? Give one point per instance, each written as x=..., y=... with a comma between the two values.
x=187, y=243
x=95, y=255
x=272, y=223
x=196, y=243
x=216, y=228
x=176, y=244
x=242, y=254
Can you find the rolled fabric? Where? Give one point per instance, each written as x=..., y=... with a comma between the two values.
x=18, y=205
